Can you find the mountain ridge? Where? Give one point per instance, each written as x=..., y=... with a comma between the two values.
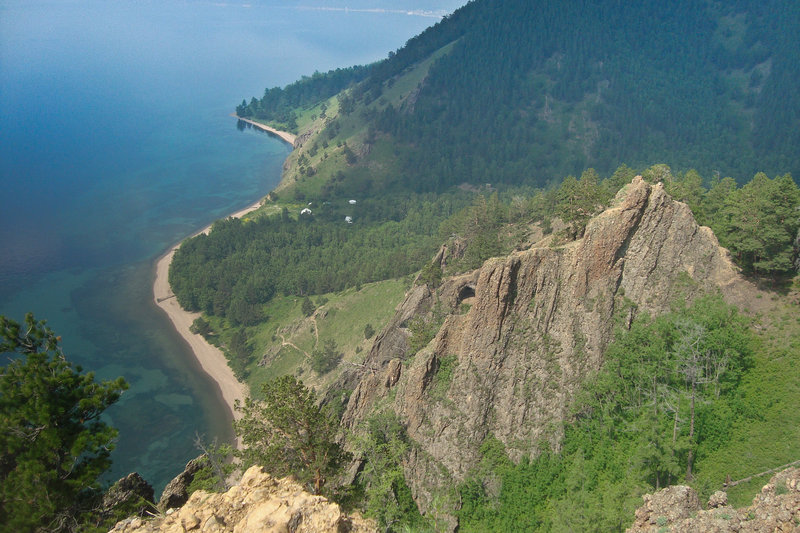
x=537, y=324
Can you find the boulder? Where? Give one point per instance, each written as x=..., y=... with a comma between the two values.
x=258, y=504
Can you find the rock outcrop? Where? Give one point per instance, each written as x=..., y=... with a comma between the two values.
x=260, y=503
x=176, y=493
x=132, y=494
x=775, y=509
x=523, y=332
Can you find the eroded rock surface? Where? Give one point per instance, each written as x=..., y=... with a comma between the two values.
x=132, y=493
x=775, y=509
x=176, y=493
x=260, y=503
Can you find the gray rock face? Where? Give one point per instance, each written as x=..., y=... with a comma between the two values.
x=129, y=491
x=176, y=493
x=536, y=327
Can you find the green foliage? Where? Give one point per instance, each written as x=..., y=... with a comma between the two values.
x=524, y=489
x=216, y=466
x=200, y=326
x=239, y=352
x=54, y=444
x=580, y=200
x=240, y=266
x=631, y=428
x=444, y=375
x=286, y=432
x=326, y=359
x=383, y=444
x=479, y=226
x=369, y=331
x=536, y=102
x=423, y=329
x=760, y=222
x=431, y=274
x=279, y=105
x=307, y=307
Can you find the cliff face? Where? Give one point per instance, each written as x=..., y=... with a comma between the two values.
x=522, y=333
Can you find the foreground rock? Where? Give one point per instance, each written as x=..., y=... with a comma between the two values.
x=258, y=504
x=775, y=509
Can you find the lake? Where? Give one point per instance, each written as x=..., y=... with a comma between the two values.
x=116, y=142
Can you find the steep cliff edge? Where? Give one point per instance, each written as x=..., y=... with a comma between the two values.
x=521, y=333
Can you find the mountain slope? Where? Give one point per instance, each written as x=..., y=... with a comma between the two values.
x=528, y=92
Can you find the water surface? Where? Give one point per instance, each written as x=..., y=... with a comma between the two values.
x=116, y=142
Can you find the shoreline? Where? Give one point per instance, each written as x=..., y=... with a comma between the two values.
x=211, y=358
x=285, y=136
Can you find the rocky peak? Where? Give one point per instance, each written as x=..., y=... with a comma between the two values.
x=533, y=327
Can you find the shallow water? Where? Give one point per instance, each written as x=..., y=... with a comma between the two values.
x=115, y=142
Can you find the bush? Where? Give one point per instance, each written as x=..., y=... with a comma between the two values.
x=325, y=360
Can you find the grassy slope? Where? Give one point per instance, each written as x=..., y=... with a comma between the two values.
x=280, y=344
x=772, y=386
x=772, y=391
x=345, y=315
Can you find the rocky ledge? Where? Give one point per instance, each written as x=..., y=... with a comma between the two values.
x=259, y=503
x=775, y=509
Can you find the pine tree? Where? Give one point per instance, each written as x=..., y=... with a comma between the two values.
x=54, y=444
x=286, y=432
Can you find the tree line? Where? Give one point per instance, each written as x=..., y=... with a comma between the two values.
x=240, y=265
x=237, y=268
x=281, y=104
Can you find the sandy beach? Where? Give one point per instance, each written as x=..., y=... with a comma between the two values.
x=285, y=135
x=210, y=357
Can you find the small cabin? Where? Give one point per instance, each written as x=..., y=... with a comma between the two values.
x=352, y=202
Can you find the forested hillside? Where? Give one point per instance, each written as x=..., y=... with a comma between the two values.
x=532, y=91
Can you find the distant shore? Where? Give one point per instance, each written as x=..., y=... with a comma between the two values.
x=285, y=135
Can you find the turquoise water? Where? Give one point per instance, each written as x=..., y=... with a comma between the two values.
x=115, y=142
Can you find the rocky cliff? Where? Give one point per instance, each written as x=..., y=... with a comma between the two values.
x=520, y=334
x=259, y=503
x=775, y=509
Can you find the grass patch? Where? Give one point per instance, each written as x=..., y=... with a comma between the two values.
x=444, y=376
x=341, y=319
x=770, y=435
